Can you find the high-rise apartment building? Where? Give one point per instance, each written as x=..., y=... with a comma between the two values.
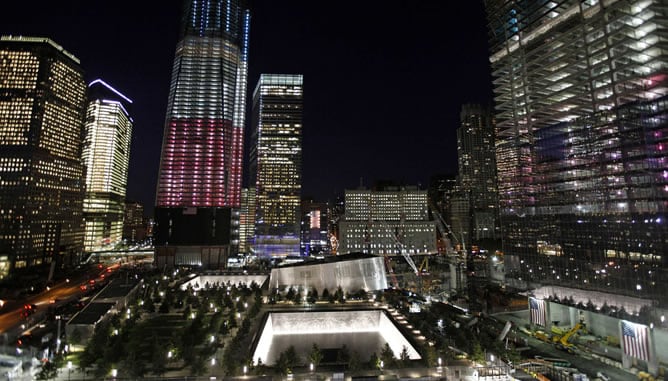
x=581, y=112
x=42, y=105
x=276, y=163
x=477, y=170
x=387, y=221
x=106, y=155
x=201, y=163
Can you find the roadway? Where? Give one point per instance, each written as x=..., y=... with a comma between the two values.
x=11, y=321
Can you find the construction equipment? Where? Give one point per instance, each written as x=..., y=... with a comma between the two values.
x=542, y=336
x=562, y=342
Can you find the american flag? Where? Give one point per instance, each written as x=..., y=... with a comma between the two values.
x=538, y=310
x=635, y=340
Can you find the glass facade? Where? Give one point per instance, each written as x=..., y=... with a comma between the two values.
x=580, y=90
x=477, y=169
x=202, y=147
x=276, y=163
x=106, y=155
x=42, y=104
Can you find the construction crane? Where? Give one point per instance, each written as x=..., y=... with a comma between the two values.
x=401, y=246
x=441, y=225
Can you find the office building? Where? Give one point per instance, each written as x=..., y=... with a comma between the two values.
x=135, y=226
x=477, y=170
x=106, y=155
x=387, y=222
x=314, y=228
x=201, y=163
x=276, y=163
x=582, y=134
x=246, y=220
x=42, y=106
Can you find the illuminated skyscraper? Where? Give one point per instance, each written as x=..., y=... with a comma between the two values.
x=276, y=163
x=106, y=155
x=581, y=111
x=477, y=170
x=246, y=219
x=201, y=162
x=202, y=145
x=42, y=104
x=314, y=228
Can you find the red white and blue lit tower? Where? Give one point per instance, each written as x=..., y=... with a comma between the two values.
x=199, y=181
x=202, y=146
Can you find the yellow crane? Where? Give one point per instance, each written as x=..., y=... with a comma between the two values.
x=562, y=342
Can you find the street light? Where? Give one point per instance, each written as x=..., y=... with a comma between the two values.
x=69, y=369
x=245, y=369
x=114, y=373
x=311, y=367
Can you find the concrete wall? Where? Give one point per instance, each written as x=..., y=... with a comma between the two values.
x=603, y=325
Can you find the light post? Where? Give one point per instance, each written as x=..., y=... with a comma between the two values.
x=311, y=367
x=114, y=373
x=245, y=370
x=69, y=370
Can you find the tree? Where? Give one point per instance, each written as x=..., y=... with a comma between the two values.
x=198, y=366
x=186, y=312
x=315, y=356
x=429, y=356
x=49, y=371
x=291, y=354
x=282, y=364
x=478, y=355
x=339, y=295
x=75, y=336
x=374, y=361
x=404, y=358
x=354, y=361
x=164, y=307
x=325, y=294
x=387, y=356
x=291, y=294
x=343, y=355
x=297, y=297
x=158, y=356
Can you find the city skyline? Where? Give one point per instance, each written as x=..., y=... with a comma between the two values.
x=361, y=67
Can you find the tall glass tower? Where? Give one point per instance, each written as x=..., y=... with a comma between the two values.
x=42, y=105
x=202, y=145
x=199, y=181
x=582, y=118
x=106, y=154
x=276, y=163
x=477, y=169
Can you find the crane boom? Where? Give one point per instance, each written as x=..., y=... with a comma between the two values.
x=402, y=247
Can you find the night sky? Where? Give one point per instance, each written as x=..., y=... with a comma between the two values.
x=384, y=81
